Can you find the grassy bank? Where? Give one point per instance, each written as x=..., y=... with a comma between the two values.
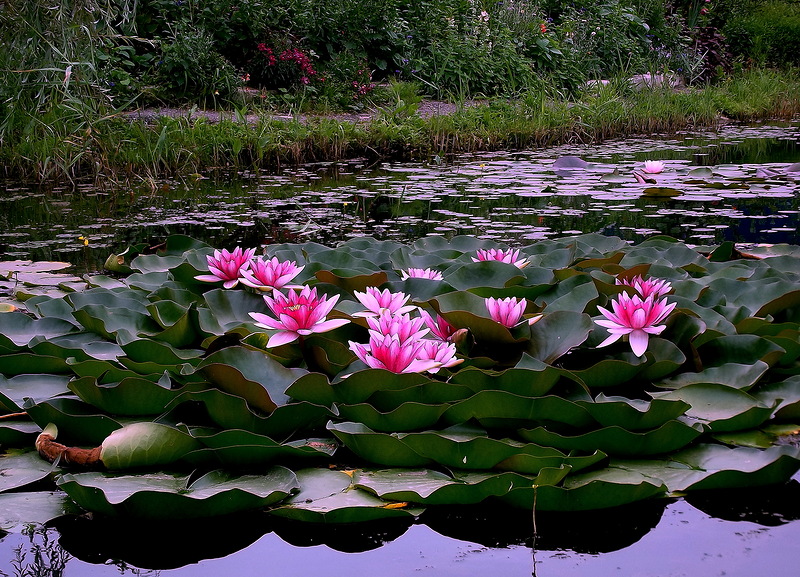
x=77, y=146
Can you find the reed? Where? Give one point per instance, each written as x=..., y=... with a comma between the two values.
x=78, y=139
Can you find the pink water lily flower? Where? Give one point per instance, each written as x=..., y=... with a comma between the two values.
x=508, y=311
x=387, y=352
x=636, y=318
x=377, y=301
x=227, y=266
x=401, y=326
x=510, y=256
x=653, y=166
x=443, y=353
x=297, y=314
x=270, y=274
x=654, y=287
x=439, y=327
x=427, y=273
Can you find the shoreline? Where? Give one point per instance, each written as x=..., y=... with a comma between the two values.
x=149, y=145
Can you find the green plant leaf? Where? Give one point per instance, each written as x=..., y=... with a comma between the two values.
x=168, y=496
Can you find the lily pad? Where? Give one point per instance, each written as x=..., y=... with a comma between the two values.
x=168, y=496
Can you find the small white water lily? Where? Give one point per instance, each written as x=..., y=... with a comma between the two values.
x=653, y=166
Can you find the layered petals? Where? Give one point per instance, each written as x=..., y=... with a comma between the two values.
x=402, y=326
x=653, y=166
x=443, y=353
x=387, y=352
x=297, y=314
x=427, y=273
x=227, y=266
x=270, y=274
x=654, y=287
x=636, y=318
x=377, y=302
x=508, y=311
x=510, y=256
x=439, y=327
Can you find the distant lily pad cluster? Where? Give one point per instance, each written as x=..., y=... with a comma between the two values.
x=571, y=374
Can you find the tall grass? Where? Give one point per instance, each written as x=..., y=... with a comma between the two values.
x=89, y=143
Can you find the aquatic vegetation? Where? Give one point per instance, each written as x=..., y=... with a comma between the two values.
x=227, y=266
x=427, y=273
x=269, y=274
x=380, y=301
x=510, y=256
x=440, y=403
x=653, y=166
x=636, y=318
x=508, y=311
x=298, y=314
x=655, y=287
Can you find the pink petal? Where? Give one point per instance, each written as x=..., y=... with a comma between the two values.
x=282, y=338
x=638, y=340
x=329, y=325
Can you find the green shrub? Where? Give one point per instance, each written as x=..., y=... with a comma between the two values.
x=189, y=68
x=766, y=33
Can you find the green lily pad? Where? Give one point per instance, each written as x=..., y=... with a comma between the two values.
x=617, y=441
x=169, y=496
x=145, y=445
x=21, y=509
x=330, y=497
x=19, y=469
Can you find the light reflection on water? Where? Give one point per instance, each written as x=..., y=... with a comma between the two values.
x=516, y=198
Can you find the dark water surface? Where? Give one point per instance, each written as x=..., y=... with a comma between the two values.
x=516, y=198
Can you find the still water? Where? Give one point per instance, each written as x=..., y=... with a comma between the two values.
x=748, y=196
x=735, y=533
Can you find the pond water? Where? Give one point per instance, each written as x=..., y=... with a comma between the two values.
x=732, y=533
x=749, y=196
x=517, y=198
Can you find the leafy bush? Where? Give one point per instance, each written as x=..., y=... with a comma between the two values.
x=190, y=68
x=766, y=33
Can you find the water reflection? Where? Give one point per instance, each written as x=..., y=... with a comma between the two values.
x=444, y=541
x=512, y=197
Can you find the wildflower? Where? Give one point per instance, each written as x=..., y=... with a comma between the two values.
x=636, y=318
x=227, y=266
x=543, y=28
x=427, y=273
x=650, y=287
x=388, y=352
x=270, y=274
x=507, y=256
x=378, y=302
x=508, y=311
x=297, y=314
x=653, y=166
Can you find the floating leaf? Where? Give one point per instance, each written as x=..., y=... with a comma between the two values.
x=330, y=497
x=167, y=496
x=19, y=469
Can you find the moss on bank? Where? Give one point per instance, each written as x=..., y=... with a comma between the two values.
x=72, y=146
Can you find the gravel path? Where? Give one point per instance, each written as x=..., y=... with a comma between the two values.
x=426, y=109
